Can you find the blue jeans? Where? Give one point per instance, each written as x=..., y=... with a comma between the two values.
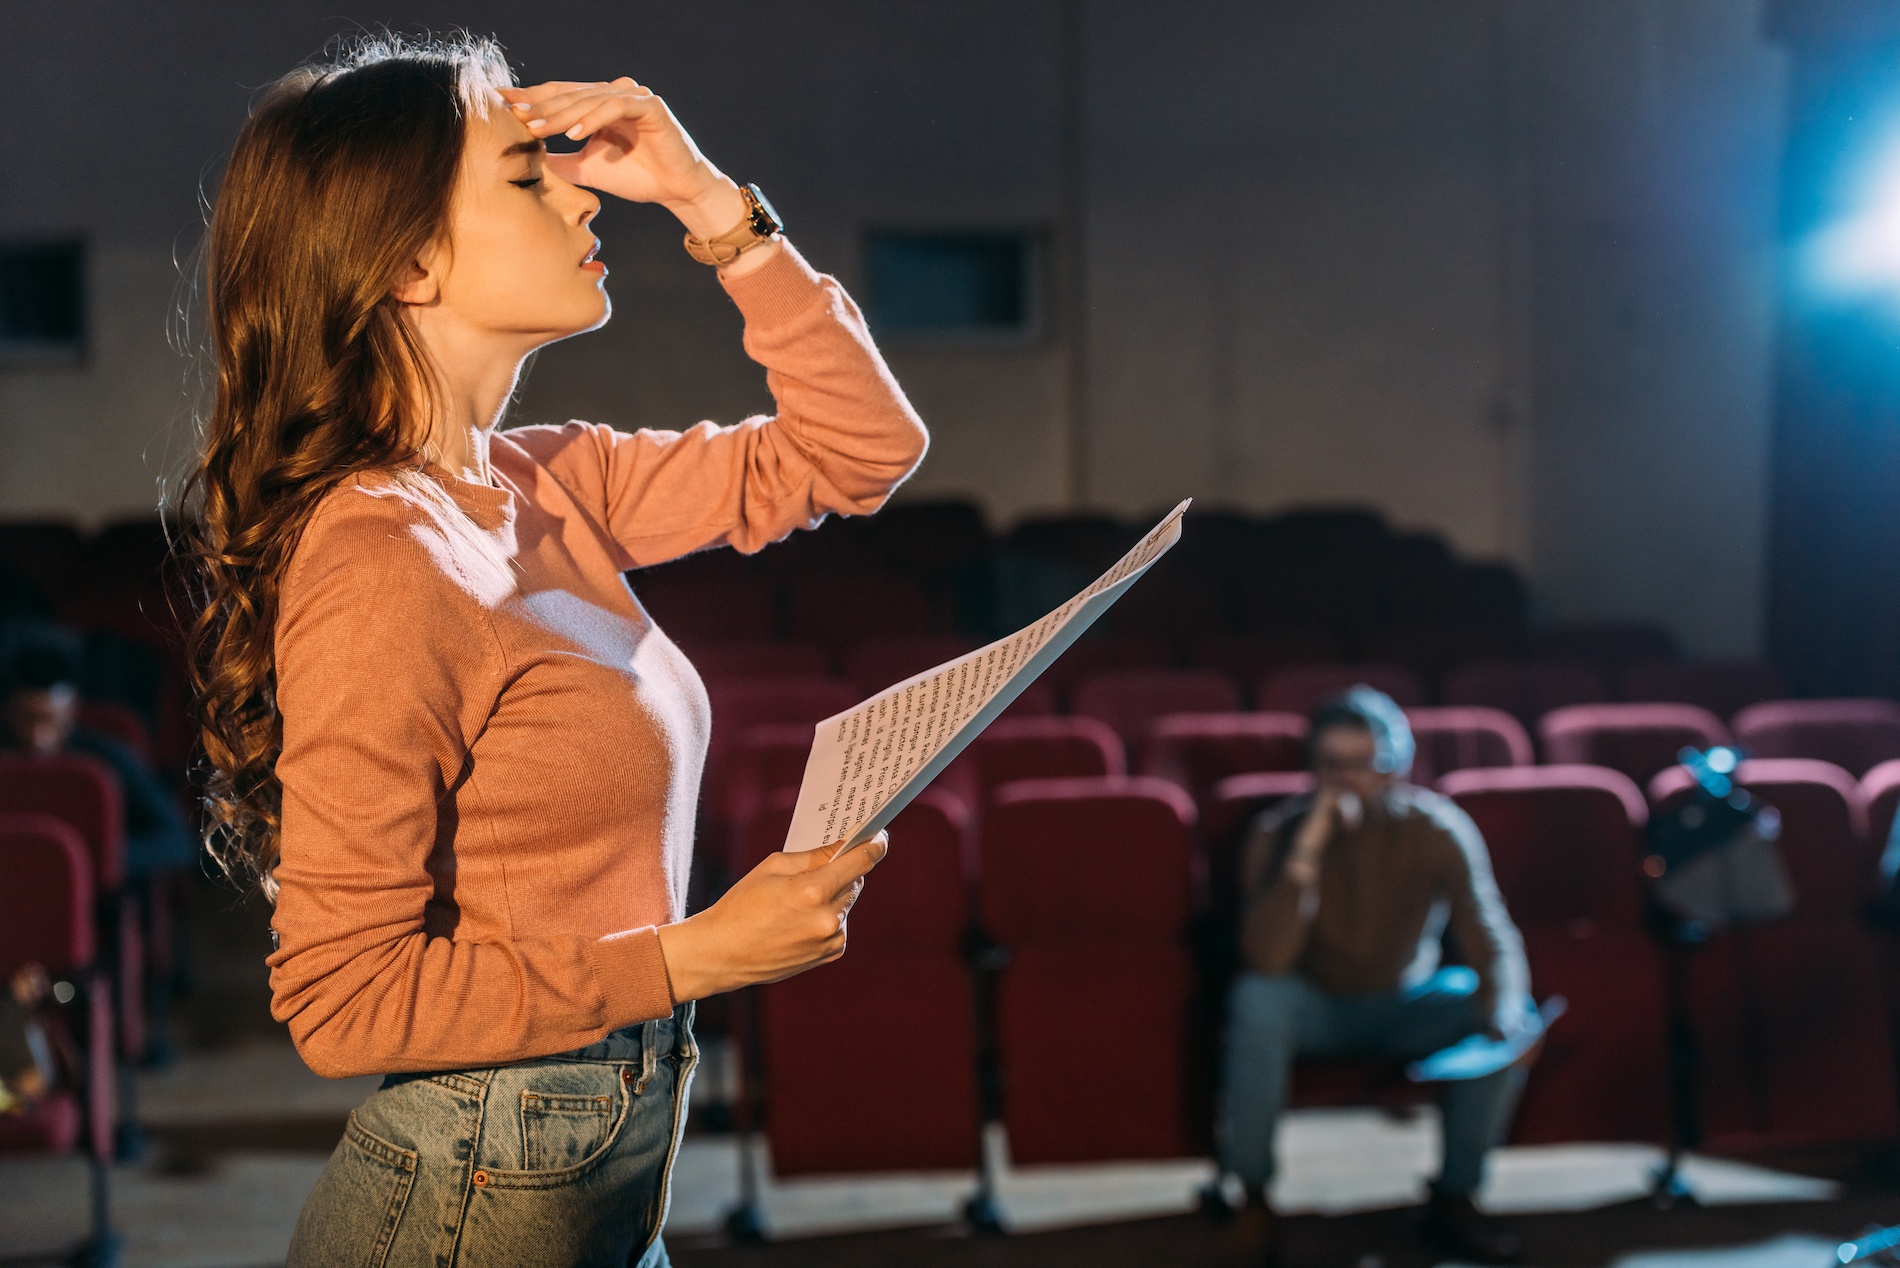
x=563, y=1161
x=1272, y=1020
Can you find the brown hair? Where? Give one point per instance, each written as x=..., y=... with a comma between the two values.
x=339, y=180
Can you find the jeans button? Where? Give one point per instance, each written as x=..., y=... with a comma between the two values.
x=481, y=1179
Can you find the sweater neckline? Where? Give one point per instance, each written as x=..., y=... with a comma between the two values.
x=491, y=506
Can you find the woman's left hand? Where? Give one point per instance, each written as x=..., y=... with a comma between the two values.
x=635, y=149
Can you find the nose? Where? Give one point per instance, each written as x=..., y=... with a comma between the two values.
x=589, y=207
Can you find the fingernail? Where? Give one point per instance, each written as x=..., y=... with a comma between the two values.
x=524, y=105
x=574, y=133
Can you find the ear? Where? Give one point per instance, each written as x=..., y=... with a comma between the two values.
x=422, y=283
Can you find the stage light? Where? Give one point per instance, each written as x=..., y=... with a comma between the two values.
x=1857, y=255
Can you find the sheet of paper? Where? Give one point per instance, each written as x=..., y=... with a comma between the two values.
x=867, y=763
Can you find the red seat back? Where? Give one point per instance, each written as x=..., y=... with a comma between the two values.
x=1250, y=657
x=46, y=903
x=1106, y=653
x=121, y=722
x=1526, y=690
x=1087, y=860
x=692, y=605
x=1452, y=739
x=1300, y=688
x=1087, y=882
x=1012, y=749
x=752, y=658
x=1129, y=699
x=1564, y=845
x=739, y=704
x=862, y=603
x=1856, y=735
x=1723, y=687
x=1198, y=750
x=874, y=664
x=1637, y=739
x=1564, y=841
x=918, y=898
x=765, y=759
x=902, y=993
x=79, y=790
x=1880, y=792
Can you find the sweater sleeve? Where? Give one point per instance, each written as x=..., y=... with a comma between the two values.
x=843, y=438
x=386, y=669
x=1274, y=920
x=1479, y=925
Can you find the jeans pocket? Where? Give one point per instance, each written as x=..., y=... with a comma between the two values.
x=350, y=1218
x=563, y=1129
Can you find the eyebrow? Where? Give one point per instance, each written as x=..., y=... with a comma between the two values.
x=526, y=147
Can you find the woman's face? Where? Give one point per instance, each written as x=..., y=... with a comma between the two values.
x=519, y=259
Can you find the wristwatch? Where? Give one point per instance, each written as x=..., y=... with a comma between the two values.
x=760, y=224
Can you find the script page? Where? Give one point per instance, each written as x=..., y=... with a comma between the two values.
x=867, y=763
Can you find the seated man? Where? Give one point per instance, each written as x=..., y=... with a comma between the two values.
x=1346, y=895
x=40, y=669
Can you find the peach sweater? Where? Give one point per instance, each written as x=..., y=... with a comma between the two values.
x=491, y=754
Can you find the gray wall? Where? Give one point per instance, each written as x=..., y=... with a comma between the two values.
x=1499, y=267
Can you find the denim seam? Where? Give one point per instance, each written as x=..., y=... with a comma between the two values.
x=404, y=1160
x=681, y=1078
x=474, y=1152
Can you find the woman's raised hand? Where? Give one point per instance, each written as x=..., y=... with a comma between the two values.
x=784, y=916
x=635, y=149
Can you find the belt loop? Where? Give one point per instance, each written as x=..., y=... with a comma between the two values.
x=649, y=1043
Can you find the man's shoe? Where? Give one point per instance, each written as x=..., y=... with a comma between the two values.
x=1458, y=1229
x=1252, y=1238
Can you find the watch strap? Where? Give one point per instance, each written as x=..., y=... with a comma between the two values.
x=759, y=224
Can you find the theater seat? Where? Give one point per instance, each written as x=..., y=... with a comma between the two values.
x=1013, y=749
x=1129, y=699
x=83, y=793
x=1300, y=688
x=1087, y=883
x=1791, y=1019
x=1565, y=848
x=742, y=658
x=1723, y=687
x=1452, y=739
x=870, y=1061
x=46, y=918
x=874, y=664
x=1856, y=735
x=1880, y=792
x=1636, y=739
x=1198, y=750
x=739, y=704
x=1526, y=690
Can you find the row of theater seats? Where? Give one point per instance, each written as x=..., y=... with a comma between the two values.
x=1110, y=902
x=65, y=908
x=1185, y=725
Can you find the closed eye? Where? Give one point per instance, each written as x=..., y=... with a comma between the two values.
x=529, y=183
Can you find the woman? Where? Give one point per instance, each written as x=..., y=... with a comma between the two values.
x=445, y=736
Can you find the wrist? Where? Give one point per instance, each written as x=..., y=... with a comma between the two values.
x=686, y=950
x=717, y=208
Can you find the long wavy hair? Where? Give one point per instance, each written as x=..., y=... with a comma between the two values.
x=340, y=179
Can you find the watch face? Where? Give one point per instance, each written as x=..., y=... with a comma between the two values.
x=765, y=221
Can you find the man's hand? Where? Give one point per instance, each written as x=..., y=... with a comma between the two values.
x=1309, y=843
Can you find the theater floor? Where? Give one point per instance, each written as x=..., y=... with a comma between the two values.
x=240, y=1130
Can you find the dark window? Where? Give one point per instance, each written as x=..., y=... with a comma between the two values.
x=957, y=285
x=42, y=297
